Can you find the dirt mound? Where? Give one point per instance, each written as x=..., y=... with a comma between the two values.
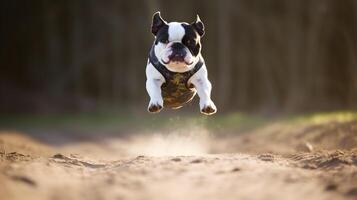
x=289, y=138
x=19, y=143
x=326, y=160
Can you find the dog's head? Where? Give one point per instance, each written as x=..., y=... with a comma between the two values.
x=177, y=44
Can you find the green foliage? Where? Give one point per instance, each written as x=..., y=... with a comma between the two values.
x=110, y=122
x=325, y=117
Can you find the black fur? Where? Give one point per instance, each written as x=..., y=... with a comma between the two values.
x=199, y=27
x=157, y=23
x=162, y=35
x=191, y=39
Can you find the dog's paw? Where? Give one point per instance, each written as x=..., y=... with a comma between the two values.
x=208, y=108
x=154, y=107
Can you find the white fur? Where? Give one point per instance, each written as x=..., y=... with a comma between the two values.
x=176, y=32
x=161, y=51
x=153, y=85
x=203, y=87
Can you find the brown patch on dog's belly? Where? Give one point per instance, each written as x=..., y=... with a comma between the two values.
x=176, y=93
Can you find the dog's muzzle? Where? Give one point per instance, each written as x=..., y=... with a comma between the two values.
x=178, y=54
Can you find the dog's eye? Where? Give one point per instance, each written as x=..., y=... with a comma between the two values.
x=190, y=42
x=164, y=40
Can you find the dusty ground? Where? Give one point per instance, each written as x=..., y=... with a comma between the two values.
x=277, y=161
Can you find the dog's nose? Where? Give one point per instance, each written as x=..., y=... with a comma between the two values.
x=177, y=46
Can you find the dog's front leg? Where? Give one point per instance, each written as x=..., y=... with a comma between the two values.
x=204, y=87
x=153, y=87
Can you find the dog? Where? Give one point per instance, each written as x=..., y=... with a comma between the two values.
x=176, y=70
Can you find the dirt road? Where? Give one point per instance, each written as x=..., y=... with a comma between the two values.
x=175, y=166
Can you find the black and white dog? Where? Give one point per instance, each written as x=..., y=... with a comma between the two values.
x=176, y=69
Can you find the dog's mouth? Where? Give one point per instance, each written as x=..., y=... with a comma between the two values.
x=177, y=61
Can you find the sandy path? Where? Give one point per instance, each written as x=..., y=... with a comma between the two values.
x=113, y=169
x=204, y=177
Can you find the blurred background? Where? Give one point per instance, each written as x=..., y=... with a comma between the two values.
x=265, y=56
x=73, y=102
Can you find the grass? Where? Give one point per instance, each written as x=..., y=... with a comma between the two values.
x=128, y=121
x=62, y=120
x=325, y=117
x=231, y=122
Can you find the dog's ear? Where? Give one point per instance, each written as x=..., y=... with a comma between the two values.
x=157, y=23
x=199, y=26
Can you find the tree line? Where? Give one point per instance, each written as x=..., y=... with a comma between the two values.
x=272, y=55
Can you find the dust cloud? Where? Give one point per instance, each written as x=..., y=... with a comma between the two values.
x=186, y=141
